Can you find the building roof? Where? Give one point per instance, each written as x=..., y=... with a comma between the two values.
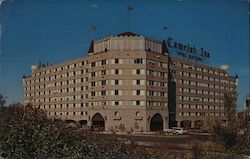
x=91, y=47
x=128, y=34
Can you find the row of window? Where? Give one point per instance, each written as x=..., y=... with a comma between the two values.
x=95, y=93
x=156, y=83
x=134, y=103
x=135, y=61
x=188, y=98
x=104, y=62
x=71, y=66
x=157, y=73
x=94, y=74
x=197, y=91
x=68, y=113
x=92, y=84
x=200, y=114
x=67, y=105
x=112, y=103
x=49, y=78
x=157, y=63
x=201, y=84
x=191, y=106
x=117, y=103
x=191, y=67
x=198, y=76
x=155, y=93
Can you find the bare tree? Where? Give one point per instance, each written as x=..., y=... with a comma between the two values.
x=227, y=133
x=2, y=100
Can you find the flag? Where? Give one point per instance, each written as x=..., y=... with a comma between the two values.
x=130, y=8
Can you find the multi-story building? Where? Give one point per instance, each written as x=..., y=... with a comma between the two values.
x=120, y=85
x=126, y=83
x=197, y=91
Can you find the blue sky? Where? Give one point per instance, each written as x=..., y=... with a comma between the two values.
x=57, y=30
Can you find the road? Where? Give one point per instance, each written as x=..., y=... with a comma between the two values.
x=176, y=142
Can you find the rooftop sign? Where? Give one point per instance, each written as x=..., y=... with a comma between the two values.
x=186, y=51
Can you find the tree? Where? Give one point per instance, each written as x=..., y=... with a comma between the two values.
x=28, y=133
x=226, y=133
x=2, y=100
x=243, y=137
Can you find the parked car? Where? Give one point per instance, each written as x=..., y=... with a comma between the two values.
x=175, y=131
x=180, y=130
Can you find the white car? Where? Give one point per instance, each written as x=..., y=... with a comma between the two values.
x=175, y=131
x=180, y=130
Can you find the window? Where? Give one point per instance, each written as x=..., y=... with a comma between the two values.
x=116, y=82
x=103, y=62
x=92, y=93
x=137, y=102
x=92, y=84
x=93, y=64
x=162, y=84
x=138, y=61
x=92, y=74
x=116, y=71
x=151, y=72
x=116, y=61
x=103, y=82
x=151, y=83
x=103, y=72
x=151, y=93
x=103, y=93
x=162, y=74
x=138, y=72
x=138, y=92
x=162, y=94
x=138, y=82
x=116, y=92
x=116, y=103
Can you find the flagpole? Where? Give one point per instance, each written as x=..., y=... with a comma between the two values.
x=129, y=9
x=91, y=38
x=164, y=31
x=92, y=30
x=128, y=19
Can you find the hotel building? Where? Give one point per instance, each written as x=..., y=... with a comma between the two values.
x=121, y=85
x=197, y=92
x=128, y=82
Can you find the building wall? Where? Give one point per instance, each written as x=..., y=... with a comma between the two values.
x=125, y=84
x=60, y=89
x=199, y=91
